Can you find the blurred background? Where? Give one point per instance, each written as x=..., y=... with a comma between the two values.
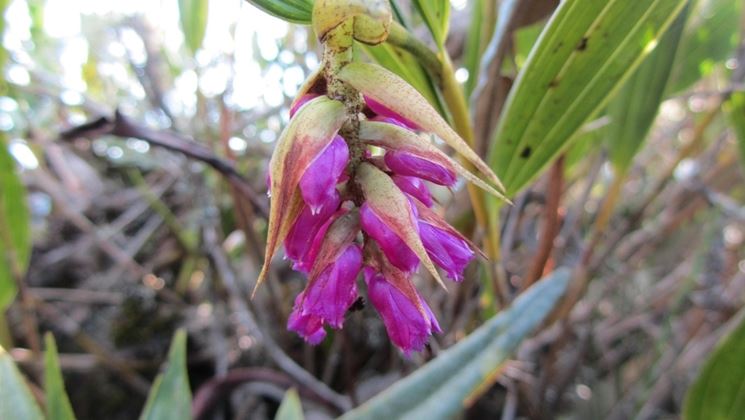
x=142, y=131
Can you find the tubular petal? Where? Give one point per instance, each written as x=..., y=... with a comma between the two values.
x=407, y=327
x=308, y=326
x=414, y=187
x=394, y=248
x=409, y=164
x=306, y=236
x=448, y=251
x=318, y=183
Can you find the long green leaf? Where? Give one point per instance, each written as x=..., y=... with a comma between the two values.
x=710, y=36
x=15, y=235
x=441, y=387
x=436, y=14
x=299, y=11
x=193, y=21
x=736, y=111
x=585, y=52
x=170, y=396
x=719, y=391
x=16, y=401
x=290, y=409
x=58, y=405
x=633, y=110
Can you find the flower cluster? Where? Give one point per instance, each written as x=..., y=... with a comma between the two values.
x=329, y=205
x=349, y=192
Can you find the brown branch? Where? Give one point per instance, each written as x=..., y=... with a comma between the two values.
x=550, y=225
x=123, y=126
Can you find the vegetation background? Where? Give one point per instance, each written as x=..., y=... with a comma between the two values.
x=135, y=138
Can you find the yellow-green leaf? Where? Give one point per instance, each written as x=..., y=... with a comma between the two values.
x=193, y=15
x=16, y=401
x=436, y=14
x=15, y=234
x=170, y=396
x=296, y=11
x=290, y=409
x=58, y=405
x=719, y=391
x=583, y=55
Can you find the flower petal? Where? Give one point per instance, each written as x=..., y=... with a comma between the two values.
x=404, y=163
x=394, y=248
x=448, y=251
x=407, y=327
x=334, y=290
x=318, y=183
x=415, y=187
x=308, y=326
x=304, y=239
x=395, y=210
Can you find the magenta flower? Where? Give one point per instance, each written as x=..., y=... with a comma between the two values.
x=306, y=235
x=408, y=164
x=407, y=327
x=394, y=248
x=414, y=187
x=318, y=183
x=448, y=251
x=338, y=205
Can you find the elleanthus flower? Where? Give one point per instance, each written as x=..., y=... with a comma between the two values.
x=341, y=211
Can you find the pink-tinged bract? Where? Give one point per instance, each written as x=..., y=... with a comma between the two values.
x=318, y=183
x=414, y=187
x=306, y=236
x=448, y=251
x=407, y=326
x=385, y=112
x=394, y=248
x=408, y=164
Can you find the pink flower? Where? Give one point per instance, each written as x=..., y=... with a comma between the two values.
x=327, y=297
x=318, y=183
x=446, y=250
x=394, y=248
x=408, y=164
x=408, y=328
x=414, y=187
x=306, y=236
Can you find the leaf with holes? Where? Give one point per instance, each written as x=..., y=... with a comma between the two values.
x=583, y=55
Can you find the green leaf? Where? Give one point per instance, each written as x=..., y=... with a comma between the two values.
x=170, y=396
x=735, y=108
x=474, y=46
x=710, y=36
x=193, y=21
x=436, y=14
x=16, y=401
x=58, y=405
x=297, y=11
x=15, y=235
x=633, y=110
x=290, y=409
x=583, y=55
x=719, y=391
x=441, y=388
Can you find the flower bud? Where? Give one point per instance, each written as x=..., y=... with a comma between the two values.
x=318, y=183
x=414, y=187
x=394, y=248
